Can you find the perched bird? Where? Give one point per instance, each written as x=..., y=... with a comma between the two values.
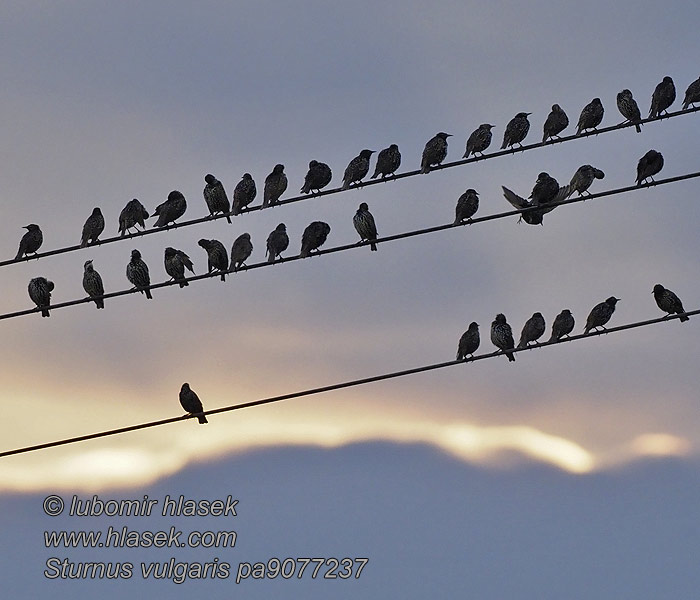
x=93, y=227
x=30, y=242
x=313, y=237
x=357, y=168
x=388, y=162
x=467, y=205
x=191, y=402
x=215, y=197
x=434, y=152
x=132, y=214
x=649, y=165
x=137, y=273
x=601, y=314
x=692, y=94
x=479, y=140
x=556, y=122
x=668, y=302
x=563, y=325
x=40, y=290
x=545, y=194
x=244, y=193
x=277, y=242
x=216, y=255
x=92, y=284
x=318, y=176
x=176, y=261
x=240, y=251
x=663, y=96
x=545, y=189
x=365, y=226
x=469, y=342
x=502, y=336
x=583, y=179
x=275, y=186
x=171, y=210
x=533, y=329
x=591, y=116
x=531, y=217
x=628, y=108
x=516, y=130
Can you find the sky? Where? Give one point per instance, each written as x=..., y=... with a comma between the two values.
x=105, y=102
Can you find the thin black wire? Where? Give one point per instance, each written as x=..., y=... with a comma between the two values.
x=338, y=386
x=328, y=192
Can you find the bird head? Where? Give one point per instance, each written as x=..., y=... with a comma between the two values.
x=88, y=266
x=522, y=115
x=247, y=176
x=364, y=206
x=612, y=301
x=96, y=212
x=185, y=387
x=135, y=255
x=204, y=243
x=487, y=126
x=31, y=227
x=312, y=164
x=170, y=252
x=667, y=79
x=210, y=179
x=500, y=319
x=443, y=135
x=393, y=147
x=473, y=326
x=556, y=108
x=281, y=227
x=367, y=153
x=658, y=289
x=175, y=195
x=279, y=168
x=245, y=235
x=472, y=191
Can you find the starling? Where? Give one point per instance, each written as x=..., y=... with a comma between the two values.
x=531, y=217
x=40, y=290
x=628, y=108
x=556, y=122
x=469, y=342
x=649, y=165
x=663, y=96
x=171, y=210
x=668, y=302
x=601, y=314
x=275, y=186
x=545, y=190
x=434, y=152
x=467, y=205
x=502, y=336
x=388, y=162
x=318, y=176
x=92, y=284
x=175, y=263
x=244, y=193
x=357, y=168
x=137, y=273
x=692, y=94
x=30, y=242
x=191, y=402
x=563, y=325
x=313, y=237
x=479, y=140
x=533, y=329
x=516, y=130
x=591, y=116
x=240, y=251
x=93, y=227
x=133, y=213
x=277, y=242
x=365, y=226
x=583, y=179
x=215, y=197
x=217, y=256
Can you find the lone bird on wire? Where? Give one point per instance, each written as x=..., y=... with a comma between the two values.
x=137, y=274
x=533, y=329
x=628, y=108
x=516, y=130
x=314, y=237
x=191, y=403
x=40, y=290
x=692, y=94
x=132, y=214
x=479, y=140
x=591, y=116
x=365, y=226
x=502, y=336
x=92, y=229
x=176, y=261
x=649, y=165
x=170, y=210
x=469, y=342
x=600, y=314
x=217, y=257
x=244, y=193
x=240, y=251
x=277, y=242
x=583, y=179
x=664, y=95
x=215, y=197
x=388, y=162
x=92, y=284
x=275, y=185
x=467, y=205
x=31, y=241
x=318, y=176
x=357, y=169
x=435, y=151
x=668, y=302
x=563, y=325
x=557, y=121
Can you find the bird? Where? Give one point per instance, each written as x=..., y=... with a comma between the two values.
x=176, y=261
x=533, y=329
x=556, y=122
x=31, y=241
x=692, y=94
x=663, y=96
x=92, y=284
x=170, y=210
x=563, y=325
x=434, y=152
x=516, y=130
x=388, y=162
x=357, y=168
x=600, y=314
x=244, y=193
x=469, y=342
x=93, y=227
x=217, y=256
x=649, y=165
x=591, y=116
x=40, y=290
x=479, y=140
x=668, y=302
x=502, y=336
x=365, y=226
x=545, y=194
x=240, y=251
x=275, y=186
x=132, y=214
x=531, y=217
x=191, y=402
x=215, y=197
x=467, y=205
x=628, y=108
x=583, y=179
x=318, y=176
x=545, y=189
x=277, y=242
x=313, y=237
x=137, y=273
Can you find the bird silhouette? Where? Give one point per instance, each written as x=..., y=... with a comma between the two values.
x=314, y=237
x=583, y=179
x=600, y=314
x=215, y=197
x=662, y=98
x=649, y=165
x=435, y=151
x=469, y=342
x=668, y=302
x=591, y=116
x=467, y=205
x=692, y=94
x=217, y=257
x=365, y=226
x=533, y=329
x=388, y=162
x=176, y=261
x=92, y=229
x=137, y=274
x=132, y=214
x=31, y=241
x=516, y=130
x=556, y=122
x=40, y=290
x=628, y=108
x=502, y=336
x=275, y=186
x=318, y=176
x=170, y=210
x=357, y=169
x=240, y=251
x=244, y=193
x=563, y=325
x=92, y=284
x=479, y=140
x=191, y=403
x=277, y=242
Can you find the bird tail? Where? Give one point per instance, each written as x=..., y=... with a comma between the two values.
x=228, y=219
x=19, y=254
x=45, y=313
x=373, y=247
x=148, y=294
x=100, y=303
x=270, y=257
x=683, y=319
x=83, y=243
x=544, y=137
x=223, y=276
x=685, y=105
x=304, y=253
x=183, y=283
x=553, y=338
x=235, y=210
x=202, y=419
x=511, y=356
x=376, y=174
x=504, y=145
x=522, y=343
x=425, y=168
x=346, y=184
x=638, y=128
